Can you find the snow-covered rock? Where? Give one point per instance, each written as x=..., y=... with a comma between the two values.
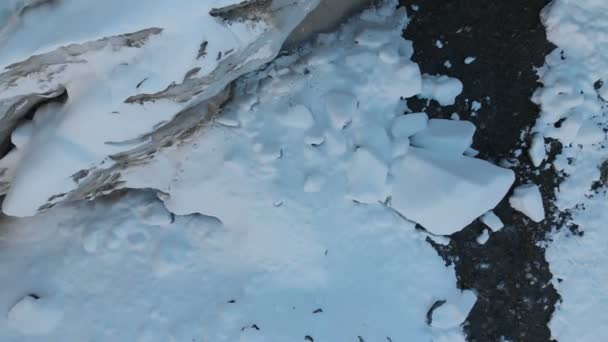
x=528, y=200
x=449, y=136
x=446, y=192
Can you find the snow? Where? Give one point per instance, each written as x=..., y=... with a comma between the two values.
x=445, y=192
x=404, y=126
x=341, y=107
x=100, y=70
x=442, y=89
x=453, y=312
x=446, y=136
x=491, y=220
x=483, y=237
x=34, y=316
x=574, y=86
x=283, y=206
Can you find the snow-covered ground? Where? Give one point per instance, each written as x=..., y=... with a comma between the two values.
x=574, y=112
x=291, y=216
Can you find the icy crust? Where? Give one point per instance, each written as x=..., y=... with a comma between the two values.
x=574, y=95
x=124, y=269
x=127, y=72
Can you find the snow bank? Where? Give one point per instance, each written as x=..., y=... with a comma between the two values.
x=442, y=89
x=574, y=92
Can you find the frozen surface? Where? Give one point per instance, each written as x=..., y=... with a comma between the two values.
x=450, y=191
x=271, y=224
x=528, y=200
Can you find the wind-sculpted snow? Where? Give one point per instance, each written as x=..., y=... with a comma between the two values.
x=132, y=80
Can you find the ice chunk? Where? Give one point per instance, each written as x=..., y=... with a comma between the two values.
x=34, y=316
x=528, y=200
x=483, y=238
x=537, y=150
x=492, y=221
x=341, y=107
x=444, y=193
x=589, y=133
x=407, y=125
x=469, y=60
x=298, y=116
x=451, y=136
x=367, y=177
x=443, y=89
x=454, y=311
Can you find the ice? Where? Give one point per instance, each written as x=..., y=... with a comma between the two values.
x=407, y=125
x=492, y=221
x=449, y=136
x=528, y=200
x=438, y=44
x=567, y=132
x=483, y=237
x=367, y=177
x=34, y=316
x=443, y=89
x=444, y=193
x=469, y=60
x=454, y=311
x=537, y=150
x=22, y=134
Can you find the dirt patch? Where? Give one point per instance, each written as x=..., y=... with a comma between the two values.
x=507, y=40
